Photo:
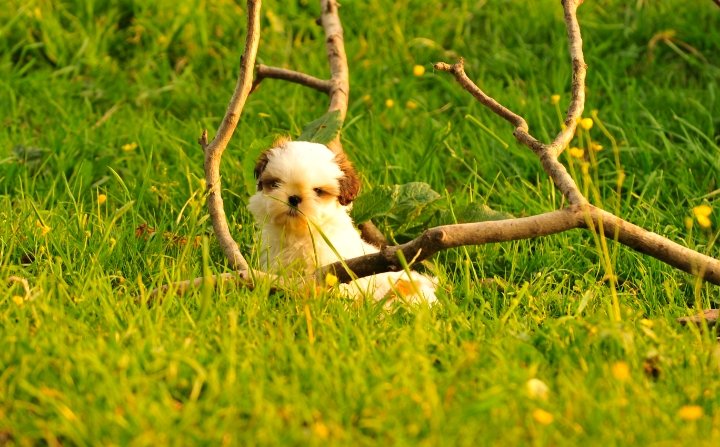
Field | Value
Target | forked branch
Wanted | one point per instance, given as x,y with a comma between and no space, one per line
578,214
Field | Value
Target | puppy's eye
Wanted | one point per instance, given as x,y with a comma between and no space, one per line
271,184
319,191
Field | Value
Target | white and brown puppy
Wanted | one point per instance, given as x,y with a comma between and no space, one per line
304,194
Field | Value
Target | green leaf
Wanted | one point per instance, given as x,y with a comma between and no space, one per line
411,198
401,202
474,212
376,202
324,129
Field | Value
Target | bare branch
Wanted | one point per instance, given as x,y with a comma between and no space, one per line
215,149
575,216
451,236
579,70
709,317
335,44
548,158
266,72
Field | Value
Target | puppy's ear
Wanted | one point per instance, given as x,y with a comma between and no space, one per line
262,161
349,183
261,164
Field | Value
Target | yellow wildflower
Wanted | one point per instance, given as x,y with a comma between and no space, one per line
596,147
585,167
690,412
537,389
418,70
102,198
576,152
411,105
44,229
542,417
366,98
621,371
18,300
688,223
702,214
321,430
389,103
555,99
586,123
330,280
129,147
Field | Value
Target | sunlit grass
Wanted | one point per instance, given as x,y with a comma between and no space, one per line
568,339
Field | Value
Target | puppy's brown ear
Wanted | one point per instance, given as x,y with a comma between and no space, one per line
349,182
260,165
262,161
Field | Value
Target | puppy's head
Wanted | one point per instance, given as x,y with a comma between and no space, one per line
299,181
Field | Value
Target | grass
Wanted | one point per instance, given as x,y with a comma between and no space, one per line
106,99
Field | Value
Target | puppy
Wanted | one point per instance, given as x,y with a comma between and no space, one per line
304,194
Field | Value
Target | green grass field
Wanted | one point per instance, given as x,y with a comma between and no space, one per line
101,104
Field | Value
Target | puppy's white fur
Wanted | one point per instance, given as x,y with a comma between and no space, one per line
302,203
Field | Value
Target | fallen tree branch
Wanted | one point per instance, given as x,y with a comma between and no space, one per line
478,233
579,213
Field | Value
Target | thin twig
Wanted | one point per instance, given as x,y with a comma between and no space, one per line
265,72
579,71
548,158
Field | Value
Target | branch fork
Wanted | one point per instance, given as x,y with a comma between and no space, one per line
579,213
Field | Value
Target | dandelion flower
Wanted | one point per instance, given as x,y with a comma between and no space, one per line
411,105
586,123
330,280
621,371
418,70
596,147
576,152
389,103
102,198
690,412
702,214
542,417
537,389
129,147
555,99
18,300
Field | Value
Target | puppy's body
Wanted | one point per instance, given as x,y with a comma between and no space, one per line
302,204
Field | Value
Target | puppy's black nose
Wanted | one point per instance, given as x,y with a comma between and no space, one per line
294,200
